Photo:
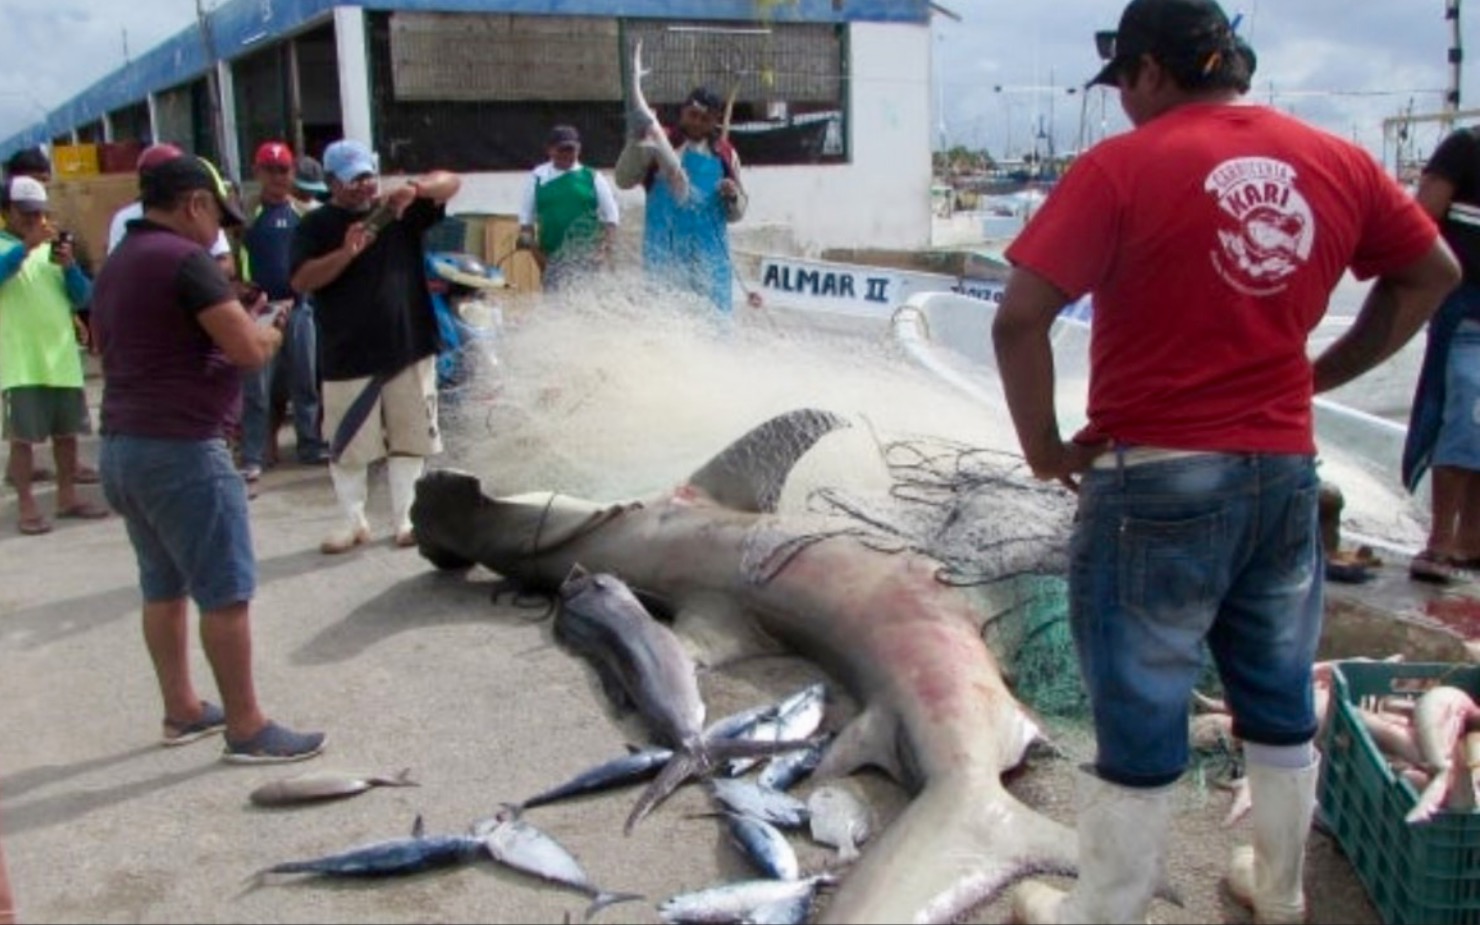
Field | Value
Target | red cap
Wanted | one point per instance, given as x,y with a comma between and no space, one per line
154,155
274,154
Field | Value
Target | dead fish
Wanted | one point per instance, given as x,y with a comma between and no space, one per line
668,163
323,785
521,846
1439,721
840,819
751,799
639,765
391,857
796,718
784,771
746,901
642,664
763,845
1211,732
935,711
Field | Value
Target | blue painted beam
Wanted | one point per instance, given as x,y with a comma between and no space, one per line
241,27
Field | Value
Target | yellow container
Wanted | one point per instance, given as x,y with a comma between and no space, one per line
69,161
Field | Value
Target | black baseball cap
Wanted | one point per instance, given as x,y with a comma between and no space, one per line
704,98
564,135
161,184
27,162
1161,28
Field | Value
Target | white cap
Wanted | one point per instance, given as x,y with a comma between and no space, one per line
26,194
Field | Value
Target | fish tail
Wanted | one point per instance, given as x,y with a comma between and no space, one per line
602,900
403,779
679,768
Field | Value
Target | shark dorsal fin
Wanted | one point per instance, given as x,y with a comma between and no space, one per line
750,473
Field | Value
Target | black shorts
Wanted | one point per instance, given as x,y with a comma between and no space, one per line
35,414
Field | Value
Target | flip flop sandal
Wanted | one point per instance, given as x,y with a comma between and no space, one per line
35,526
84,510
1432,568
87,476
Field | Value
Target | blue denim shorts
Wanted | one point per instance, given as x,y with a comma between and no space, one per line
1458,444
185,506
1167,556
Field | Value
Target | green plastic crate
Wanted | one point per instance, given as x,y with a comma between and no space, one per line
1424,873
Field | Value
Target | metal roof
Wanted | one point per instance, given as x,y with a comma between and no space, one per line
240,27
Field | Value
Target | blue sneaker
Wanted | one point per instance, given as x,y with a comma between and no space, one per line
212,720
274,745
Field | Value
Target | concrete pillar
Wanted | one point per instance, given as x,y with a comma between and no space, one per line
352,45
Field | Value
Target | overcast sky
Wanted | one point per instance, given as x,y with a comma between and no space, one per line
1344,64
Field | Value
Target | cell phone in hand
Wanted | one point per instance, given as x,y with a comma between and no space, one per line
379,217
273,312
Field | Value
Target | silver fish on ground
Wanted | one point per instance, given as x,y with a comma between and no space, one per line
763,846
785,771
639,765
316,786
751,799
935,709
745,901
392,857
654,136
837,817
796,718
521,846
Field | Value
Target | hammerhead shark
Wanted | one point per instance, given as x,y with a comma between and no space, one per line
935,712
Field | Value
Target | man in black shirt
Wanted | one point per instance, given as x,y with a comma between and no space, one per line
361,258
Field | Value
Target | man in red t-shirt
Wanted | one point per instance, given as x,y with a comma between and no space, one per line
1211,236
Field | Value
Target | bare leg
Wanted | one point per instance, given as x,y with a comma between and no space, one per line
167,636
1467,529
1448,491
64,451
226,635
20,469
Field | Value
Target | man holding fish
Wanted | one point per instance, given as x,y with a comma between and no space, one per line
692,177
1211,236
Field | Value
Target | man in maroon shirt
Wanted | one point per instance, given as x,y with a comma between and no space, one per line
174,340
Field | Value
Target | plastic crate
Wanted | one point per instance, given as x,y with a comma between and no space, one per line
1422,873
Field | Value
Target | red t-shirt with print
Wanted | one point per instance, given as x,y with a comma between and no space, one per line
1212,237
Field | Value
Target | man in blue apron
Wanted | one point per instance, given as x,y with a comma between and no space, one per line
686,241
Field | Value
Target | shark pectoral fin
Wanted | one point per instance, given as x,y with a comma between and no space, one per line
870,740
749,474
716,631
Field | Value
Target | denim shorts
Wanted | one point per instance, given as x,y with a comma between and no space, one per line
1166,556
1458,444
185,506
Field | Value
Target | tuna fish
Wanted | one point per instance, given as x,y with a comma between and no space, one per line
747,901
935,713
517,844
393,857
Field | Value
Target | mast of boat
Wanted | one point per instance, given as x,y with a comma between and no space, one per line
1456,62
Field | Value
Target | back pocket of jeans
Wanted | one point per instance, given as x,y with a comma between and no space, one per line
1169,564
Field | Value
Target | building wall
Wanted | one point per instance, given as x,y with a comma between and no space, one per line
881,198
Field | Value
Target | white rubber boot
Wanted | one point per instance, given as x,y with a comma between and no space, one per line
402,472
1122,847
351,487
1269,875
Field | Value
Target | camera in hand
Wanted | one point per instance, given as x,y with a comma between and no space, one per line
379,217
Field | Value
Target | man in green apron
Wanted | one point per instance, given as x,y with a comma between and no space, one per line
574,209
